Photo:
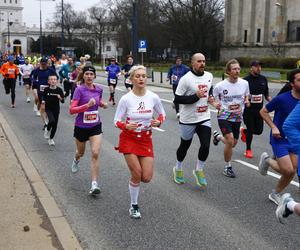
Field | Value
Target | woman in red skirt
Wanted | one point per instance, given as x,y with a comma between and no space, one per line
134,116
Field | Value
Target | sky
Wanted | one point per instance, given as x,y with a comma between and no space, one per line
31,11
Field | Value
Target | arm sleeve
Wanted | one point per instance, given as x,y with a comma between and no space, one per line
75,109
210,92
120,113
267,89
291,127
61,93
180,96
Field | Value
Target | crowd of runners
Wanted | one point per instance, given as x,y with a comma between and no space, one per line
236,100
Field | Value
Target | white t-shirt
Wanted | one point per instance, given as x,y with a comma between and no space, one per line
188,85
26,70
139,109
232,99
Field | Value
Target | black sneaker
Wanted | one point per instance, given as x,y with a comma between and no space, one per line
134,212
228,171
215,140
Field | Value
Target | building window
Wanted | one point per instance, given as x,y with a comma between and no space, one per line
108,48
298,34
4,1
10,1
16,1
258,36
108,39
245,36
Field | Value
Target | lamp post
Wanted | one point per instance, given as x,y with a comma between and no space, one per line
134,30
8,32
62,25
41,27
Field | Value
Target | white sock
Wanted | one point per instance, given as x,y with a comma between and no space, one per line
134,189
200,165
291,205
178,165
228,164
94,183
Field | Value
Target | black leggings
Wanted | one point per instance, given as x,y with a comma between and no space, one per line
67,87
254,124
10,87
52,122
175,104
204,134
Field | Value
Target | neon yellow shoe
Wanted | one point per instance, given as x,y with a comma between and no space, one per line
200,178
178,176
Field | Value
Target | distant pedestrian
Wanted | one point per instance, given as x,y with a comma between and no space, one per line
125,71
113,71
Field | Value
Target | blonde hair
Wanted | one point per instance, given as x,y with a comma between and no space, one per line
134,69
229,63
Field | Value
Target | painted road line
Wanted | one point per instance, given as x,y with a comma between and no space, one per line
269,173
158,129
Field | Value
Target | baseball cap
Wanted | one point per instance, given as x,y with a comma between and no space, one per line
255,63
10,58
43,60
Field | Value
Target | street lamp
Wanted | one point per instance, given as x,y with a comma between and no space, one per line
41,26
134,30
62,25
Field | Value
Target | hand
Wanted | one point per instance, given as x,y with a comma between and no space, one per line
155,123
104,105
218,106
91,102
131,126
276,133
247,104
59,97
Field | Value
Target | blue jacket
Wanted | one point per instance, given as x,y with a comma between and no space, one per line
176,72
66,71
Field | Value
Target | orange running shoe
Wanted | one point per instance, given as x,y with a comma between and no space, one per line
243,134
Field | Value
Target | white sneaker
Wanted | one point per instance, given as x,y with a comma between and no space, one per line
28,99
263,165
282,212
35,108
75,166
275,197
38,113
46,134
177,115
51,142
94,189
134,212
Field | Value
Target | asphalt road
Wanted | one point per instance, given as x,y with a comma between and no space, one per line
228,214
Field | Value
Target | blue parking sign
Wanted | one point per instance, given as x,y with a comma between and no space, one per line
142,44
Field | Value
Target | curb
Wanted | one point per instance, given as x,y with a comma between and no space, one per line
59,223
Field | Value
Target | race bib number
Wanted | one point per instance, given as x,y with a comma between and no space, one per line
234,107
69,75
113,81
90,116
256,98
11,71
42,87
127,81
174,78
202,109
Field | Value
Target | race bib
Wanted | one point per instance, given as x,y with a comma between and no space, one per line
42,87
90,116
174,78
127,81
69,75
11,71
234,107
256,98
113,81
201,109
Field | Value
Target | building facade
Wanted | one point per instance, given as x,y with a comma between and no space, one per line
16,37
261,28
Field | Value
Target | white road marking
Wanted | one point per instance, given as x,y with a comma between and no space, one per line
158,129
269,173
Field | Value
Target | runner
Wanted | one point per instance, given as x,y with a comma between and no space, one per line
10,72
258,87
40,82
88,127
137,108
21,61
125,69
194,92
25,71
113,71
286,157
65,73
232,94
177,71
51,97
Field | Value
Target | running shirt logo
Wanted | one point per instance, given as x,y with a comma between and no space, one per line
256,98
202,109
225,92
90,116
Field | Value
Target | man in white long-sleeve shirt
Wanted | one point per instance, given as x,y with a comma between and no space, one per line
25,71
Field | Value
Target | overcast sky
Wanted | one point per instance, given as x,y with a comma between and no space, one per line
31,11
